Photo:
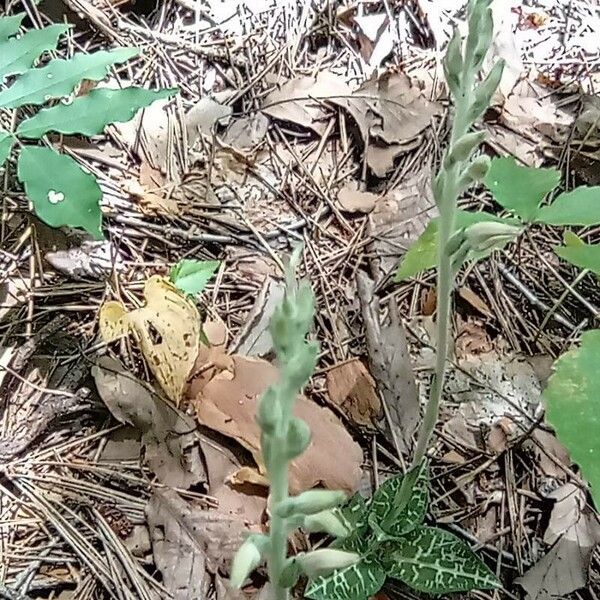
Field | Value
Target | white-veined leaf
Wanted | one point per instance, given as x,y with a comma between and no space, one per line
59,77
17,55
62,193
10,25
90,114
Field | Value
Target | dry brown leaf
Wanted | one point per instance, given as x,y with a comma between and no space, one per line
551,455
472,339
167,329
151,202
171,447
203,116
353,200
475,301
428,301
228,404
247,132
352,389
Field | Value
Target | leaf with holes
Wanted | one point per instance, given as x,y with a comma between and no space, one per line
384,505
434,561
518,189
422,255
18,54
10,25
90,114
62,193
358,582
581,206
190,276
572,400
59,77
6,144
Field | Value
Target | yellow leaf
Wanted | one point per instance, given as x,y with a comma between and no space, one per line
167,330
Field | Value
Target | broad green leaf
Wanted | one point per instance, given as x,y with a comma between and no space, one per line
90,114
520,189
572,400
6,144
586,256
62,193
191,276
434,561
578,207
422,255
358,582
409,516
59,77
9,26
18,54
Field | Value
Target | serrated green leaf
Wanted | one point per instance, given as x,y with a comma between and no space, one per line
10,25
578,207
422,255
90,114
6,144
59,77
191,276
434,561
586,256
18,55
358,582
572,400
62,193
406,518
518,189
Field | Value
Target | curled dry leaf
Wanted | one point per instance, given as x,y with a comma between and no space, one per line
167,329
171,448
228,404
352,389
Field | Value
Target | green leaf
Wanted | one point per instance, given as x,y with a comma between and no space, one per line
59,77
578,207
61,191
572,400
6,143
358,582
434,561
10,25
408,517
191,276
354,515
17,55
520,189
90,114
422,254
586,256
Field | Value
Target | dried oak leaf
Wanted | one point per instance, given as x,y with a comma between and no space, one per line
352,389
228,404
167,330
353,200
171,448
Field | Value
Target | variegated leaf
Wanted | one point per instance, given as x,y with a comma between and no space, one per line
436,562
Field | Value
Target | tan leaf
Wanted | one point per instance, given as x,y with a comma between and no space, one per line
475,301
167,329
149,201
352,389
351,199
228,404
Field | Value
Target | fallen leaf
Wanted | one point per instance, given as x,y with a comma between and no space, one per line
471,339
475,301
247,132
151,202
203,116
92,259
167,329
353,200
428,301
500,435
375,39
228,404
550,454
171,448
352,389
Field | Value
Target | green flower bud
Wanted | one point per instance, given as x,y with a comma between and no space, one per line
475,172
438,187
482,237
298,438
463,148
453,63
328,522
485,32
322,562
247,558
269,411
485,91
298,371
310,502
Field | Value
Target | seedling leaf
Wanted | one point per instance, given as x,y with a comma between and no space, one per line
190,276
518,189
59,77
6,144
580,206
572,401
434,561
357,582
10,25
62,193
18,54
585,256
90,114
